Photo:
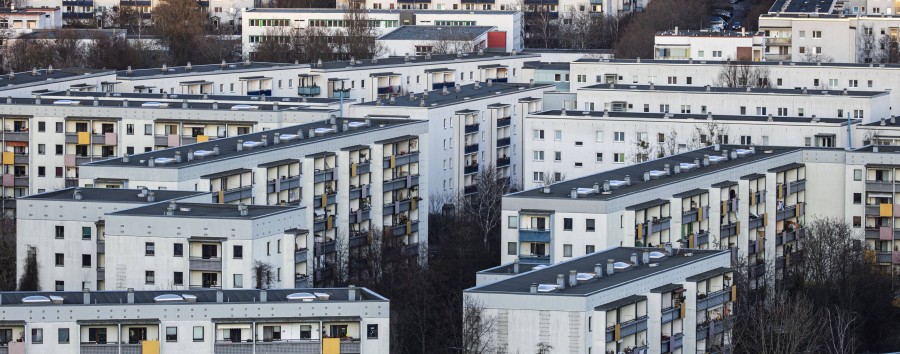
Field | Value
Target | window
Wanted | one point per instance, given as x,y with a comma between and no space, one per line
853,83
60,285
129,129
539,134
62,335
178,250
238,281
59,259
673,80
717,53
857,198
511,248
42,126
372,331
60,232
557,135
743,110
59,149
589,225
59,127
148,129
619,137
765,140
512,222
599,136
599,157
42,171
782,111
663,108
760,111
198,333
840,113
619,157
538,177
802,34
42,149
179,278
149,277
238,252
690,80
278,274
85,232
59,172
870,83
857,174
539,155
685,108
86,260
171,334
37,335
567,224
746,140
567,250
149,249
858,113
578,164
832,83
589,249
857,221
557,156
700,54
807,141
817,34
278,246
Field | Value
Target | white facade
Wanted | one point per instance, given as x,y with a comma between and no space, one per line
345,320
456,39
607,7
470,128
827,37
710,46
23,20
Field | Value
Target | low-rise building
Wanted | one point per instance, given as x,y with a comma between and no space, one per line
621,299
26,19
707,45
421,40
334,320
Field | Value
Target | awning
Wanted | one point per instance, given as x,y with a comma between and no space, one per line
880,196
251,78
17,143
198,82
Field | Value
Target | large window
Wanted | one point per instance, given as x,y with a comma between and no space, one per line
37,335
149,249
171,334
62,335
86,233
97,335
198,333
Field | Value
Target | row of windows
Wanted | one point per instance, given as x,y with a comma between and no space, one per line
512,249
60,232
538,134
590,225
270,23
99,335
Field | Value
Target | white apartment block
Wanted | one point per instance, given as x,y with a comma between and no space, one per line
354,178
471,127
595,7
816,77
262,24
421,40
54,80
23,20
710,46
335,320
559,145
864,105
622,299
225,12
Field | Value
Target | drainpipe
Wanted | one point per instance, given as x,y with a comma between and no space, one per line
119,339
253,336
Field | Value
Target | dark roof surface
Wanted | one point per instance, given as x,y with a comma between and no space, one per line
803,6
43,75
636,172
381,11
79,33
203,296
431,33
390,63
466,92
115,195
546,66
732,90
522,283
705,33
719,63
211,98
206,210
620,302
208,68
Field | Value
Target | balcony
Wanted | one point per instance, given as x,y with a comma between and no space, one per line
345,94
405,228
534,259
758,222
470,189
503,161
104,348
790,236
309,91
359,240
758,270
402,182
283,346
714,299
400,160
410,250
504,122
879,186
260,93
671,314
101,246
87,3
441,85
477,1
758,197
20,181
301,281
101,273
233,194
751,247
81,16
503,79
789,212
323,176
471,149
399,206
627,328
534,235
134,3
797,186
386,90
503,142
884,257
323,224
323,248
203,3
702,239
71,182
779,262
694,214
472,128
211,264
672,344
359,216
656,225
778,41
329,200
470,169
301,255
281,184
10,135
873,210
365,167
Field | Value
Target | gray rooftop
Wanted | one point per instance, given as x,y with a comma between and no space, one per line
136,102
390,63
202,69
210,98
636,172
732,90
203,296
206,210
110,195
537,65
721,63
434,33
466,93
42,75
228,146
803,6
585,264
79,33
693,117
706,33
382,11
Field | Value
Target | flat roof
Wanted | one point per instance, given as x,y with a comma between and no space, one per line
43,75
228,146
691,117
78,33
803,6
720,63
881,148
431,33
145,297
206,210
390,63
192,97
113,195
383,11
521,284
706,33
636,172
538,65
466,93
203,69
731,90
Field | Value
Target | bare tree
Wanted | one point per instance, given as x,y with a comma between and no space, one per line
866,45
783,325
451,41
706,134
841,326
181,27
359,34
809,56
7,254
552,176
484,207
739,74
478,328
263,274
30,280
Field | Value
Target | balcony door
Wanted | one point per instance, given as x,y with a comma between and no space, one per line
209,251
137,334
234,334
210,280
538,249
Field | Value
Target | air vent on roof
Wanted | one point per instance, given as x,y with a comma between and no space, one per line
306,297
163,160
356,125
546,288
744,152
203,153
715,159
586,191
688,166
323,131
251,144
155,105
66,102
244,107
655,256
620,266
175,298
288,137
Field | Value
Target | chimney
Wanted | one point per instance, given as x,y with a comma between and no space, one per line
151,196
668,249
216,150
534,288
646,258
574,193
151,162
351,292
243,209
634,259
96,102
516,266
312,132
264,140
125,103
893,119
76,194
125,158
598,268
240,145
130,295
346,127
610,268
627,180
178,157
215,105
573,278
263,297
220,296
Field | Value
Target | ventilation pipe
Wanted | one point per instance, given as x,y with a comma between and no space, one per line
130,295
516,266
598,268
240,145
534,287
351,292
646,257
573,278
610,268
561,281
635,260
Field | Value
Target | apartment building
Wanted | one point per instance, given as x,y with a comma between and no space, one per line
23,20
338,170
263,24
67,232
596,7
621,299
559,145
327,320
706,45
472,127
224,12
47,136
867,106
24,84
421,40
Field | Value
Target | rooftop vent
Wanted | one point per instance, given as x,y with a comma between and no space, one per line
243,209
688,166
656,256
251,144
155,105
323,131
620,266
244,107
175,298
356,125
163,160
66,102
743,152
203,153
585,277
546,288
715,159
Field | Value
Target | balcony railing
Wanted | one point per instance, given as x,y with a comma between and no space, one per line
323,176
778,41
408,181
797,186
627,328
212,264
398,207
470,169
280,346
751,247
657,225
702,238
714,299
15,135
340,94
534,235
441,85
693,214
134,3
758,270
301,255
233,194
281,184
329,200
359,240
405,228
358,216
326,247
309,91
101,246
879,186
671,314
364,167
471,149
713,327
101,273
672,344
472,128
400,160
410,250
504,122
778,57
71,182
884,257
758,222
728,230
789,212
503,142
260,93
87,3
78,15
20,181
503,161
384,90
534,259
470,189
